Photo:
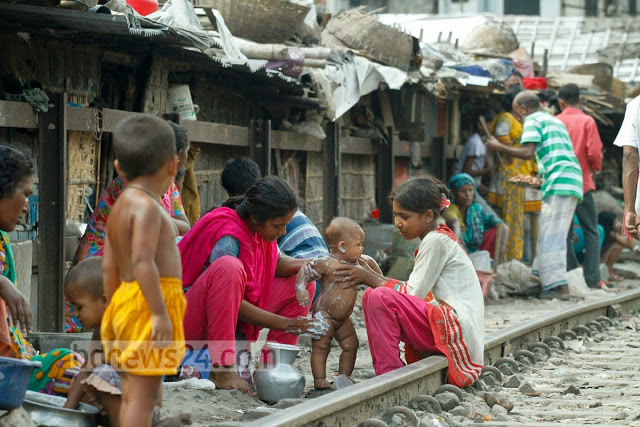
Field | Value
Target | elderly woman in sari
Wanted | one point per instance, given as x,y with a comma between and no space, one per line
476,227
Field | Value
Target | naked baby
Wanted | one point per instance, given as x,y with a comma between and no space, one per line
344,238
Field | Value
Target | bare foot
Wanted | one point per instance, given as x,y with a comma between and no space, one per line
321,384
184,419
229,379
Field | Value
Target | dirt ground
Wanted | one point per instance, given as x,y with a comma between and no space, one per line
209,406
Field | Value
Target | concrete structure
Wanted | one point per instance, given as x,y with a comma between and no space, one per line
542,8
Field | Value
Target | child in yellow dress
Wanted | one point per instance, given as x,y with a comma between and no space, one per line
141,329
98,383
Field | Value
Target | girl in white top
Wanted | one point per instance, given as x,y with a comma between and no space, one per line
440,309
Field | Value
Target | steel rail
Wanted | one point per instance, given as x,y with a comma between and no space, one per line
371,397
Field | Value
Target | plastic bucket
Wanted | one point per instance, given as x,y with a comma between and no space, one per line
14,379
181,102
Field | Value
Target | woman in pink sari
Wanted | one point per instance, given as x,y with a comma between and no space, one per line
229,260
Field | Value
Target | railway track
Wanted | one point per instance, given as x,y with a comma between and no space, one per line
349,406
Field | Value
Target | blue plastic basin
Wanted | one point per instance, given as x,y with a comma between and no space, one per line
14,379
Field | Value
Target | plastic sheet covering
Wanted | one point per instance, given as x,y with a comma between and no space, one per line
500,69
349,77
226,39
180,17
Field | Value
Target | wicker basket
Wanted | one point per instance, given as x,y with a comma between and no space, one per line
603,73
263,21
492,37
363,31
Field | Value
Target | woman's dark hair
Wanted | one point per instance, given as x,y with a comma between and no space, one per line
509,96
16,167
420,194
270,197
550,97
182,137
606,220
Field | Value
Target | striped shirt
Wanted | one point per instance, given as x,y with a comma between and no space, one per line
557,163
303,240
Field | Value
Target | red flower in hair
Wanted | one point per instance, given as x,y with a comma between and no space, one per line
444,202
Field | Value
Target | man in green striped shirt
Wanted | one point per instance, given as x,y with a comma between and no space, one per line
547,138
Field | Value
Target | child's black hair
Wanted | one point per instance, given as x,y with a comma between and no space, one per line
15,167
182,137
269,198
86,276
143,144
420,194
238,175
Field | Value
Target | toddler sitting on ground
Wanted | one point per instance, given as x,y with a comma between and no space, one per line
344,238
98,383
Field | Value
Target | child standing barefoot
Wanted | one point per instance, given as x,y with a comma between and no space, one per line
344,238
141,329
98,383
440,309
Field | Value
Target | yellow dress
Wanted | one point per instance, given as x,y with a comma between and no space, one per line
510,198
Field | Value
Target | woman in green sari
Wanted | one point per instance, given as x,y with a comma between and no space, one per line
477,228
60,365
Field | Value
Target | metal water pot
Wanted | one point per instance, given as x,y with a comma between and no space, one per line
279,379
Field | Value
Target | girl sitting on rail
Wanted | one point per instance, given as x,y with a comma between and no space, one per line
440,309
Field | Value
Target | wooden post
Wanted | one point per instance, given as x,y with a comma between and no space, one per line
384,176
438,158
331,174
260,144
52,192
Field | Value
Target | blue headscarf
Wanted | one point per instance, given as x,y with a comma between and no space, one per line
460,180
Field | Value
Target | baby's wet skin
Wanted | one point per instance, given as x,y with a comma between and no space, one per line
336,301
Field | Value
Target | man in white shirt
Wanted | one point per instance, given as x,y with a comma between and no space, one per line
628,139
473,158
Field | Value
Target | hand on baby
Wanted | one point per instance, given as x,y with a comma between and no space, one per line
303,297
353,275
161,329
305,274
315,328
